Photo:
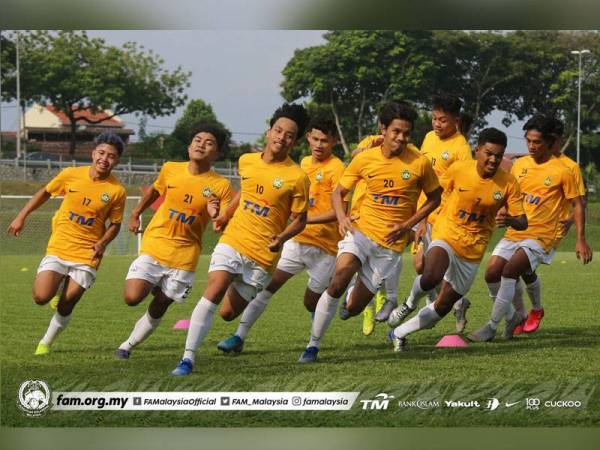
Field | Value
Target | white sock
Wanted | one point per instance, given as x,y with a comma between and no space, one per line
200,323
503,302
493,289
518,300
324,313
458,304
57,324
425,318
391,283
534,291
143,328
252,312
416,293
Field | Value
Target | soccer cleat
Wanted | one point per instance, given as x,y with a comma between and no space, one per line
398,315
184,368
42,349
485,334
398,343
533,320
232,344
461,315
511,324
343,312
519,328
385,311
368,320
54,302
122,353
379,300
309,355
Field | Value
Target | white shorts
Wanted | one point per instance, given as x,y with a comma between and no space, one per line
320,265
377,262
82,274
534,250
460,273
176,284
250,278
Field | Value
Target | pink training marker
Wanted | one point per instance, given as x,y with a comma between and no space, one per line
452,340
182,325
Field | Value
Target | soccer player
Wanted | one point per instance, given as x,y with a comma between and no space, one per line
443,146
474,193
395,176
273,190
313,249
193,194
532,281
80,235
545,183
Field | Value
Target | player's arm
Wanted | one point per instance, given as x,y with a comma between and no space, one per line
340,209
111,232
326,217
149,197
503,220
434,199
296,226
38,199
220,222
582,249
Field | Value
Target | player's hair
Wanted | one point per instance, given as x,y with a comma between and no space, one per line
448,103
216,131
296,113
493,136
324,124
397,110
544,125
110,139
559,127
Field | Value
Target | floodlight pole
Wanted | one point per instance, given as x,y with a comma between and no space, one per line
579,53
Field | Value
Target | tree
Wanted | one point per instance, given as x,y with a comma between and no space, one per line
198,111
75,74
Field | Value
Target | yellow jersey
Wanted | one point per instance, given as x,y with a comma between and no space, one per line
544,188
468,218
576,171
80,222
269,194
442,153
324,177
393,187
174,235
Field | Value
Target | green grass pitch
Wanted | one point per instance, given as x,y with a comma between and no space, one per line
559,362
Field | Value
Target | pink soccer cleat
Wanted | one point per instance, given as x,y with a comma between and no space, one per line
533,320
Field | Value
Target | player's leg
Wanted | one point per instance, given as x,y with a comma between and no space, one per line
534,292
347,264
436,264
136,290
48,280
390,285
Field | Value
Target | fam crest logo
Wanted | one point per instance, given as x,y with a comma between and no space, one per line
34,397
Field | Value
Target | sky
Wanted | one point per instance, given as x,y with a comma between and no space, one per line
237,71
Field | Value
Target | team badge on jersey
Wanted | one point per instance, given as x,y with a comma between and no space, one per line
445,155
497,195
405,175
319,176
105,197
277,183
548,181
206,192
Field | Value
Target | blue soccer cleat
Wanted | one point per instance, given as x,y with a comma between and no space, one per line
233,343
309,355
184,368
122,354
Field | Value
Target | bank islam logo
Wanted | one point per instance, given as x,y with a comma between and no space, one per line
34,397
381,401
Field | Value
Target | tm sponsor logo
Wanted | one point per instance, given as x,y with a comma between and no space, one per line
381,401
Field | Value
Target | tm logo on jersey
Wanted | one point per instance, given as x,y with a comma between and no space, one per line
257,209
181,216
81,220
468,216
531,199
386,199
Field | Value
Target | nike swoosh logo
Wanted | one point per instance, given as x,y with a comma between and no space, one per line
171,187
508,405
370,176
462,190
245,178
72,190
